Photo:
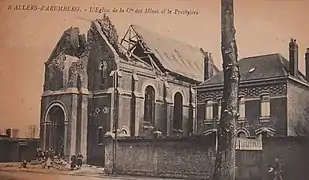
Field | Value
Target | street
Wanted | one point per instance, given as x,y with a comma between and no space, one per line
21,175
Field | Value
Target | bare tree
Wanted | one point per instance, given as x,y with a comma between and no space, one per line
225,158
32,131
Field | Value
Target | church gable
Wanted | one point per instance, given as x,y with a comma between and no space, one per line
105,53
69,50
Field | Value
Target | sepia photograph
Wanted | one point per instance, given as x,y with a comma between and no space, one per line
154,89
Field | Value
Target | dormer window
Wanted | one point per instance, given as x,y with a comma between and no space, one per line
251,70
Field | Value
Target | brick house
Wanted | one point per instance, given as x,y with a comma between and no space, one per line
140,84
274,97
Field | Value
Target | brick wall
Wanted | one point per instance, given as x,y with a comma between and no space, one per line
194,158
278,103
99,118
100,50
298,109
185,158
17,150
292,152
163,106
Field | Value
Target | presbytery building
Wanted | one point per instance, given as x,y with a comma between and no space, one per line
273,97
138,85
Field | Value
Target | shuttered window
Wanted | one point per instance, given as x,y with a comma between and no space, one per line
265,106
209,111
242,108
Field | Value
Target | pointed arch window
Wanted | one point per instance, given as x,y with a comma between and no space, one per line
149,106
178,111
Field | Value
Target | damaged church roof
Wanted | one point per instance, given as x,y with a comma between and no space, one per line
258,68
175,56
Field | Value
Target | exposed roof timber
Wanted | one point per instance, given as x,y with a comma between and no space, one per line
124,36
138,59
131,38
138,41
136,34
154,64
130,41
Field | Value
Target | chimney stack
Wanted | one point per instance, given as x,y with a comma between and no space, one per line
307,64
206,66
208,70
293,53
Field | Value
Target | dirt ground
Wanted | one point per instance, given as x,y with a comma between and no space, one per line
6,175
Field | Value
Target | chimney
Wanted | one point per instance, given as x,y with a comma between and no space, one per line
208,70
307,64
8,132
293,53
206,66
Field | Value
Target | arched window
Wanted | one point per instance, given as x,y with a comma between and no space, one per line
178,112
242,134
149,106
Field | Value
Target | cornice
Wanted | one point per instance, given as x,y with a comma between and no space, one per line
242,84
298,81
83,91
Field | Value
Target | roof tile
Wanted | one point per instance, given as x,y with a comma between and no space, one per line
258,67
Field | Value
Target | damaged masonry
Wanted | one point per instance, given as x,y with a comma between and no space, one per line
141,85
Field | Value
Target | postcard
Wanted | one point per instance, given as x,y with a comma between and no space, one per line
177,89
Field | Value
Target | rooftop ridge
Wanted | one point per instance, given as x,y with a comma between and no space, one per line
164,36
266,65
261,55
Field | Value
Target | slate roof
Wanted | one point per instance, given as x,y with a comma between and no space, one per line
257,68
175,56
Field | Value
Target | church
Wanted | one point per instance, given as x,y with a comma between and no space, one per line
137,86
